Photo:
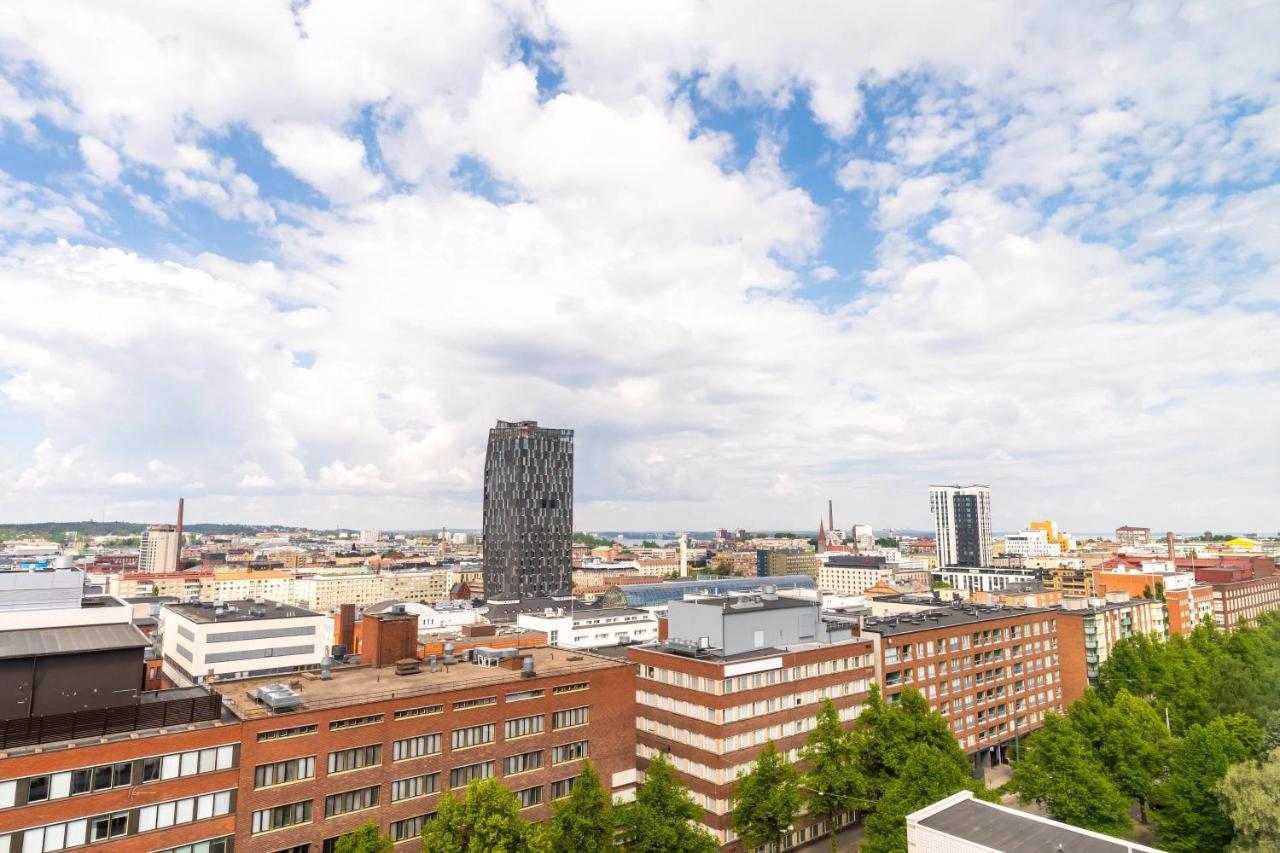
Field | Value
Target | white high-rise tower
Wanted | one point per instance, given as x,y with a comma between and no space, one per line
962,522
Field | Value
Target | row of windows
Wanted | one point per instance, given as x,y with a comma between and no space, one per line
91,830
279,817
351,801
356,758
751,710
351,723
473,736
86,780
415,747
782,675
283,772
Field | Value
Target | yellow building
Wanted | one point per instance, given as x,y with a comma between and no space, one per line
1051,533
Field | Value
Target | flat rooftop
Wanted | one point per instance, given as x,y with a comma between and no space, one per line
943,617
362,684
1010,831
238,611
70,639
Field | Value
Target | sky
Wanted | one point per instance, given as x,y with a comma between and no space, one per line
292,260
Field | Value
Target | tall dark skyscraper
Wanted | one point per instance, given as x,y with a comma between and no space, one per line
528,512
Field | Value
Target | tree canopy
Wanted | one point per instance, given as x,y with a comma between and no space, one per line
584,822
661,820
766,800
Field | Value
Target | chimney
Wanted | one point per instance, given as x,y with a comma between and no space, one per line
177,557
347,626
1168,537
388,638
831,515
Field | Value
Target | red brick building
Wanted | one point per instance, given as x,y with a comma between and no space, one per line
733,673
154,777
371,743
1240,593
991,671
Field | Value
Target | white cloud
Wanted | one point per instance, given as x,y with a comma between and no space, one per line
101,159
614,267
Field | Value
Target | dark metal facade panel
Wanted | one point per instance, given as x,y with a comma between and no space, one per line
528,512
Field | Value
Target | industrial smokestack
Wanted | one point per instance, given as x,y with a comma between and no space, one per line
1168,538
177,557
831,516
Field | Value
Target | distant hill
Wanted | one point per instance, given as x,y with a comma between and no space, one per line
54,529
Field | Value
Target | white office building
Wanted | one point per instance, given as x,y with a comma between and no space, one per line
1030,543
239,639
591,629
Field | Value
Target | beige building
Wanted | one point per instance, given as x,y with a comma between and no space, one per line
240,585
158,552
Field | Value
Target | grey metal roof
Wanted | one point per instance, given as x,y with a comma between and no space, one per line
70,639
1010,832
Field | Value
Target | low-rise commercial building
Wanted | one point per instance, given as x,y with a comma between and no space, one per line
593,628
983,578
733,673
992,672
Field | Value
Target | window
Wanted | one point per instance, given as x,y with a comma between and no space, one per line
415,747
522,695
415,786
295,731
37,789
281,816
283,772
216,845
529,797
570,688
569,717
354,759
355,721
561,789
569,752
108,826
175,812
351,801
474,703
403,830
523,727
521,763
460,776
472,736
408,713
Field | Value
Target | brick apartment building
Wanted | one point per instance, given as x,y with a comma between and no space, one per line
1186,601
734,672
373,743
1089,628
991,671
1241,593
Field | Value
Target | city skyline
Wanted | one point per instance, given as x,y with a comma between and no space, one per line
754,261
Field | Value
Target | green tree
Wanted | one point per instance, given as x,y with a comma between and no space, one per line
1249,791
662,819
648,543
487,820
1060,770
926,777
766,799
584,821
836,783
1134,748
366,839
1189,813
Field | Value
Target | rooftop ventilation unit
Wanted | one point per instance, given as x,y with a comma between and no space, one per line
408,666
278,697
